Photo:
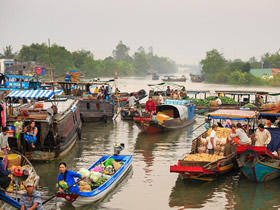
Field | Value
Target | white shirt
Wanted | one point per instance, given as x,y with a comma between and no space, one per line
161,99
240,133
219,101
3,140
131,100
214,136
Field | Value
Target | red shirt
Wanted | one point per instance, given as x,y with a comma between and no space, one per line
150,106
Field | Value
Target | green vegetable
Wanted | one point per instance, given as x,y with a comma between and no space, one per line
249,106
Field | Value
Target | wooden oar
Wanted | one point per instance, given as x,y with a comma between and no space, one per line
64,190
120,110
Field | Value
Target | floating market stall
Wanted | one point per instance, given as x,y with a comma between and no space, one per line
199,165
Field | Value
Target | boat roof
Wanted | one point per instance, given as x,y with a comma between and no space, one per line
232,114
182,110
18,76
197,91
241,92
34,94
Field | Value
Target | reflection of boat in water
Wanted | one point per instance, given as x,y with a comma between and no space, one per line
186,194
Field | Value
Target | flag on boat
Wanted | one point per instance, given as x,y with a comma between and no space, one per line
34,94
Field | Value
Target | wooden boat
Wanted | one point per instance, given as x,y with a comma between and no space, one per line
258,164
18,82
174,79
196,78
140,94
8,198
203,170
58,123
84,198
179,116
201,109
128,113
155,76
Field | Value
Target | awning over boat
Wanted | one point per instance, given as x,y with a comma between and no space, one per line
232,114
180,111
34,94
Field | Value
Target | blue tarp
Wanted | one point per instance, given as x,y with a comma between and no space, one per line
232,118
274,145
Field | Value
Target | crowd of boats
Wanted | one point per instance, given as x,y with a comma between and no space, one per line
58,110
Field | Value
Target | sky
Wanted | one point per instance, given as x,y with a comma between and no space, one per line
183,30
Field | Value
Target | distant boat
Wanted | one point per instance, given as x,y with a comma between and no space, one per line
155,76
197,77
174,79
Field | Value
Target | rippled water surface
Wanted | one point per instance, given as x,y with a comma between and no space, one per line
149,184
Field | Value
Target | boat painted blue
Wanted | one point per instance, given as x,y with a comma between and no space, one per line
84,198
262,172
10,201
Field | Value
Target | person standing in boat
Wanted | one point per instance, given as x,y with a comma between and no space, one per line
150,106
160,98
66,178
4,144
212,140
131,100
31,133
168,91
219,101
31,199
262,136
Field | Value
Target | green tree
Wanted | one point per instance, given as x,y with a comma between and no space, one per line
141,63
8,53
213,63
81,57
121,51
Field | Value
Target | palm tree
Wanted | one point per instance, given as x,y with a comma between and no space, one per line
8,53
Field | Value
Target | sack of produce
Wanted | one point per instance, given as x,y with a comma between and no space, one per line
116,165
94,176
203,157
203,142
202,149
218,142
217,148
223,141
84,186
109,162
97,169
84,172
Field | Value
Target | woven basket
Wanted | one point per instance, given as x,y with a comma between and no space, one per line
14,159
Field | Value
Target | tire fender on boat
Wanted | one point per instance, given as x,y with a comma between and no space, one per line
249,158
79,133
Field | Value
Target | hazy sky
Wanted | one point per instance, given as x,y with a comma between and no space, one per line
180,29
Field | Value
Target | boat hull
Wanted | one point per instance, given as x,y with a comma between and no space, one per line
262,172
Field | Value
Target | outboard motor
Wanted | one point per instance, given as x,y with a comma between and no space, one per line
118,147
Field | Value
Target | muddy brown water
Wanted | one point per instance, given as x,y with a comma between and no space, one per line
149,184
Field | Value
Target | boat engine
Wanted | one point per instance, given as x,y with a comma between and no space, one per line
118,147
19,175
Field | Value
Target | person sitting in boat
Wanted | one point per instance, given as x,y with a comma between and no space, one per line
228,123
268,124
131,100
96,90
183,93
212,140
150,106
106,93
31,133
101,95
175,95
160,98
168,91
4,179
4,144
66,179
262,136
261,100
219,101
238,135
31,199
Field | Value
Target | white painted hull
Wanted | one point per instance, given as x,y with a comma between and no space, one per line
80,201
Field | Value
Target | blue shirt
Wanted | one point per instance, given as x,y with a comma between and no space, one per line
70,180
3,172
35,198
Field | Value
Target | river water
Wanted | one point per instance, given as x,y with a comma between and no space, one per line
150,185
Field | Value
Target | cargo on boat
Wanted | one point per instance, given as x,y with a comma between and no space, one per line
57,120
168,117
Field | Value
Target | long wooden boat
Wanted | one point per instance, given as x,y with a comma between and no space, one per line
174,79
8,198
203,170
58,123
196,78
179,116
84,198
258,164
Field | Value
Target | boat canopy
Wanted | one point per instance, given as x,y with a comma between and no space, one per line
34,94
232,114
178,110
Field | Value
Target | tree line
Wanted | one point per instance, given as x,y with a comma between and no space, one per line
217,69
62,60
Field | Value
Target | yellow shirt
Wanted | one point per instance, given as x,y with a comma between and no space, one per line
262,138
95,90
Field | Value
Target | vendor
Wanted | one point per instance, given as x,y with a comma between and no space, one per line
4,179
31,199
219,101
262,136
150,106
67,177
4,144
131,100
238,135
